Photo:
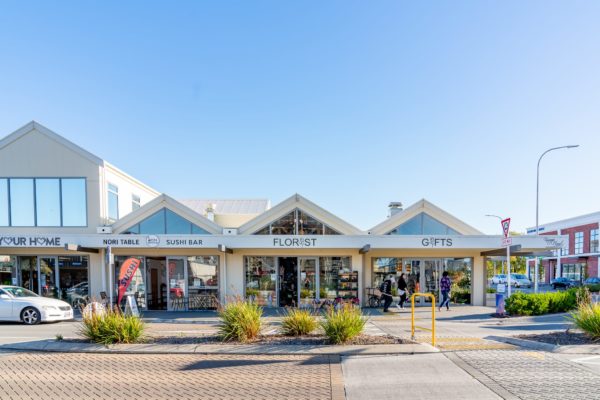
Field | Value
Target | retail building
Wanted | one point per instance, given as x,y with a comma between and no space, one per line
69,220
577,258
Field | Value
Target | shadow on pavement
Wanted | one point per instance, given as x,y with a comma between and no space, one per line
244,362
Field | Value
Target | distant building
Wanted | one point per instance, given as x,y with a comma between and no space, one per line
578,258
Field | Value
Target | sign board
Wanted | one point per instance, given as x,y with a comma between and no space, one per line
501,288
505,226
131,307
506,242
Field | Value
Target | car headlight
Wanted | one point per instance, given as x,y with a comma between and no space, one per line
49,308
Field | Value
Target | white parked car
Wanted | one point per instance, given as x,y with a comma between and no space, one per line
20,304
500,278
520,280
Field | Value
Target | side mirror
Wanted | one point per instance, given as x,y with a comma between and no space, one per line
4,297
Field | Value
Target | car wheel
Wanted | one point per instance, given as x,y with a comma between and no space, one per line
30,316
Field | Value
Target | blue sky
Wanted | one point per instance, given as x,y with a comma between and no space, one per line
352,104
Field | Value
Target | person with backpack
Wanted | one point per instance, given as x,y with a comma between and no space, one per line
386,292
445,284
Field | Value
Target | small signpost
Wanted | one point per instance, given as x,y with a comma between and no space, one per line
131,307
506,242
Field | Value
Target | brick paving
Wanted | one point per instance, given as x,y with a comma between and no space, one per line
65,376
529,375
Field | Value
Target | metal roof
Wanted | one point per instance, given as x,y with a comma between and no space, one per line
229,206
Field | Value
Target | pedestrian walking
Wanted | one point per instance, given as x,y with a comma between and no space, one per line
402,291
445,289
386,292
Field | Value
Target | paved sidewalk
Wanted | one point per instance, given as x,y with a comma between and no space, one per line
33,376
422,376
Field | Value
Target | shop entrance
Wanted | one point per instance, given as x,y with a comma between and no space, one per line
288,281
298,281
157,283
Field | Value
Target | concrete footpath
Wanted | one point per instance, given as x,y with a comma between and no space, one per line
418,376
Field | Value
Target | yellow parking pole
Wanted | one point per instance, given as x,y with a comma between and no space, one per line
412,318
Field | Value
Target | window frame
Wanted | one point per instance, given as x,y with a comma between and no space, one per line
578,243
136,201
109,192
34,180
594,237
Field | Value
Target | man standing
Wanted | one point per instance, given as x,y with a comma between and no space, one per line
386,292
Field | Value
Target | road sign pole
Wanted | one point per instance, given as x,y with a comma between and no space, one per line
507,242
508,269
535,276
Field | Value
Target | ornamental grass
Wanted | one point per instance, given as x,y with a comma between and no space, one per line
297,322
240,320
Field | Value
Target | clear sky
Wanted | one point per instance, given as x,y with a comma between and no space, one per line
351,104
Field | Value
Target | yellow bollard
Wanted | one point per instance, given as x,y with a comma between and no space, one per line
412,318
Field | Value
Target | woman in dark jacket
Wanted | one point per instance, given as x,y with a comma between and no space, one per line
402,291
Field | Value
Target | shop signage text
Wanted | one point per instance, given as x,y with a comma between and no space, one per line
436,242
294,242
30,241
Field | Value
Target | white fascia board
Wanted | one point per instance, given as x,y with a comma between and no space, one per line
568,223
436,244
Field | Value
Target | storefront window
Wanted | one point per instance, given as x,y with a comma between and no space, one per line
460,272
203,282
3,202
73,275
383,266
577,271
261,280
137,287
8,270
48,277
330,268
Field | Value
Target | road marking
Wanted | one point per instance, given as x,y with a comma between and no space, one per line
586,360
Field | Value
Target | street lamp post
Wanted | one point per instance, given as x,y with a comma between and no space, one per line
537,205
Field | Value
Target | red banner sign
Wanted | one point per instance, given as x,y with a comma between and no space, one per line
126,273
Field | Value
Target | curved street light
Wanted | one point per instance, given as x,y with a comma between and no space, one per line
537,204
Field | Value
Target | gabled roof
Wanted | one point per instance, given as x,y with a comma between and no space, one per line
228,206
302,203
423,206
19,133
164,201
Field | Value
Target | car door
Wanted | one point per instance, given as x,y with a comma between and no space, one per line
6,305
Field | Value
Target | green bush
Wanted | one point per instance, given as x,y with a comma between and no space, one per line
239,320
541,303
343,324
587,318
298,322
460,296
490,290
112,327
594,288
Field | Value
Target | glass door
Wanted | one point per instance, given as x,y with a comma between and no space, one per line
28,273
48,278
176,275
432,270
288,281
308,281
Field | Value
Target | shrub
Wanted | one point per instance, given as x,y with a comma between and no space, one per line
541,303
587,318
490,290
584,297
112,327
298,322
594,288
343,324
460,296
240,320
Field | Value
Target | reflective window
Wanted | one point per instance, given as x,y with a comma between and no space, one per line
329,270
565,249
73,276
3,202
113,202
22,212
578,242
74,199
47,196
423,224
8,270
203,282
261,280
594,241
177,224
135,202
297,222
384,266
166,221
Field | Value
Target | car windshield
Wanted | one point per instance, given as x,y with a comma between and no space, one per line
19,291
520,276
